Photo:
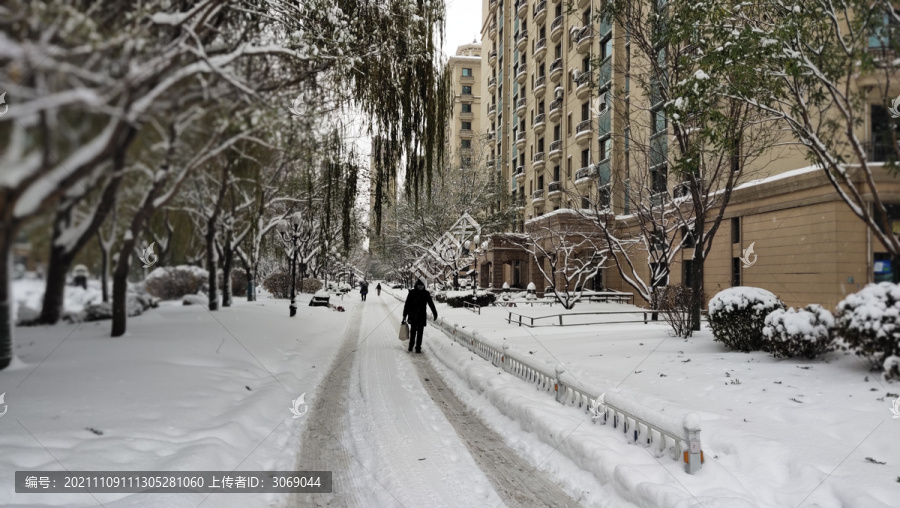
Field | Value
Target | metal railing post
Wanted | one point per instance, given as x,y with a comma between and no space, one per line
693,456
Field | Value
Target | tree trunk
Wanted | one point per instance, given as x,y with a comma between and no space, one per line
104,268
697,287
120,289
895,269
55,288
212,266
226,275
6,322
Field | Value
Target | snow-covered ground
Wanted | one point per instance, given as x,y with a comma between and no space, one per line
775,432
187,389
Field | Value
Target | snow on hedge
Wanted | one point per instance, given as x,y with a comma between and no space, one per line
742,297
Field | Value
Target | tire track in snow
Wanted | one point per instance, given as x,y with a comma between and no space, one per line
514,479
322,449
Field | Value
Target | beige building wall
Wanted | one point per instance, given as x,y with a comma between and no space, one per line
810,248
465,127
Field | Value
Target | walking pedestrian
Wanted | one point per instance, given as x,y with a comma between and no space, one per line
415,313
364,290
378,289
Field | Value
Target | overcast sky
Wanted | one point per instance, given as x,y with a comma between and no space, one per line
463,24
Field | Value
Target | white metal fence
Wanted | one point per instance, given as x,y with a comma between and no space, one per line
679,438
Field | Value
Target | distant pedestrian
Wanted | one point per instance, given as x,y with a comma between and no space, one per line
415,313
378,289
364,290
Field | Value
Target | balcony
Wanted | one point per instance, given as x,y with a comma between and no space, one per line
490,163
556,29
555,110
466,133
522,41
520,106
540,12
538,162
540,86
583,85
583,39
522,9
584,132
584,177
466,115
522,74
540,50
493,6
492,112
555,150
583,3
492,57
539,123
492,85
556,70
537,197
493,31
520,140
554,191
520,174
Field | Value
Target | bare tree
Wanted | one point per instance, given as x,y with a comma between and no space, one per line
567,254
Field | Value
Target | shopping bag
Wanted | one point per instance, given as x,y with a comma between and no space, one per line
404,331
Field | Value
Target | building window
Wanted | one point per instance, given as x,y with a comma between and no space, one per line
687,237
569,125
586,111
585,157
687,275
557,132
659,274
605,148
466,107
555,173
735,230
467,90
541,182
585,202
569,168
467,73
657,120
467,125
466,143
735,272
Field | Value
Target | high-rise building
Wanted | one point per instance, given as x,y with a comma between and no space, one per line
561,104
465,127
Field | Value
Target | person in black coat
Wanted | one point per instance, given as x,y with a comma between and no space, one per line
415,313
378,289
364,290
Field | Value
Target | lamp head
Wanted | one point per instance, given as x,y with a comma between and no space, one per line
296,219
281,226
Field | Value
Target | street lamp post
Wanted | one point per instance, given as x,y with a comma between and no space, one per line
474,247
291,232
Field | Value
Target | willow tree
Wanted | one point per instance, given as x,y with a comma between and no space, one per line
387,57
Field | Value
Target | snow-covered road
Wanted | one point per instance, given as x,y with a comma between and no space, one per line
394,435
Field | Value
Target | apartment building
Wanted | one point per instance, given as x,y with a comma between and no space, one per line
465,126
558,84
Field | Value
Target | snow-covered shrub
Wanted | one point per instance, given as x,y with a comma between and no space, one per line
440,296
805,332
198,299
482,299
869,322
675,304
171,283
311,285
239,282
135,305
737,316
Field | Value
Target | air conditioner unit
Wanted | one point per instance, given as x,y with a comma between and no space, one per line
559,92
575,73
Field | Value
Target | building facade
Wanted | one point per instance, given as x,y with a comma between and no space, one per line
562,137
465,126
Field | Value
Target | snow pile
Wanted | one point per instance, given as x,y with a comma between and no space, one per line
28,298
737,316
804,332
869,321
